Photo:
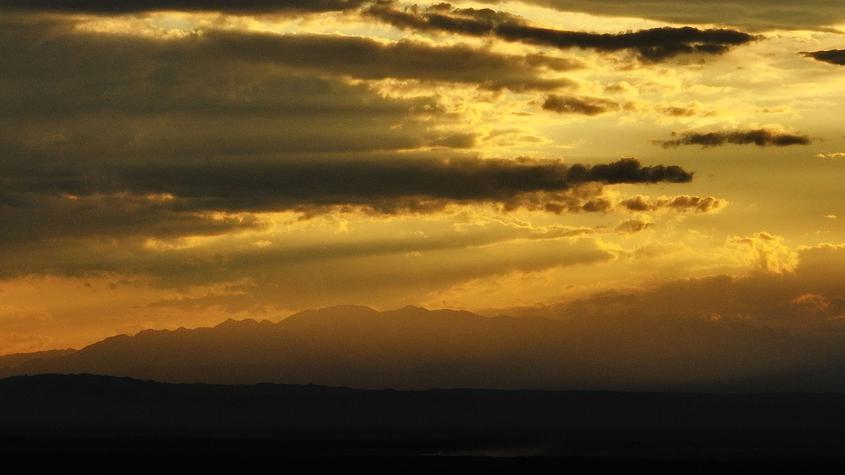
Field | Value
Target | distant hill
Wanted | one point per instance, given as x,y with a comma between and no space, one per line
62,407
415,348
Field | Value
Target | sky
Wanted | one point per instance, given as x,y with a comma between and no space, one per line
175,163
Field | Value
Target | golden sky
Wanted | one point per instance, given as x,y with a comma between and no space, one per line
177,163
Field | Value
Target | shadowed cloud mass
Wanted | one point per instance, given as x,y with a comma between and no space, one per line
106,7
758,137
125,135
80,59
384,185
832,56
369,59
701,204
578,105
655,44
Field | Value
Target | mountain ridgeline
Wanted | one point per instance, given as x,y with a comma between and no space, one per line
415,348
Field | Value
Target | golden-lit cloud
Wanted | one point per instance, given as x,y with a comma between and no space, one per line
755,14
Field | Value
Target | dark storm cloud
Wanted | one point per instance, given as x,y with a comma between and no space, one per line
380,185
578,105
832,56
109,7
758,137
654,44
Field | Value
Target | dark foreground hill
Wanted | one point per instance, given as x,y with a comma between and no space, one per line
73,414
87,405
414,348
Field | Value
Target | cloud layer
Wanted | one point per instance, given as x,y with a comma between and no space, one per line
106,7
755,14
655,44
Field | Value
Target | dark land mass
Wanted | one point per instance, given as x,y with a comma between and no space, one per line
130,425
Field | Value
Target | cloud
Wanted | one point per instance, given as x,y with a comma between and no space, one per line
758,137
298,271
48,217
107,7
207,198
769,253
578,105
686,110
804,293
143,75
369,59
823,265
682,203
655,44
379,185
102,97
832,56
635,225
676,111
758,15
111,141
832,155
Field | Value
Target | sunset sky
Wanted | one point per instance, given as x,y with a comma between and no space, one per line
176,163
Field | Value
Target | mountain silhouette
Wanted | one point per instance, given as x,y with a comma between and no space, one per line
415,348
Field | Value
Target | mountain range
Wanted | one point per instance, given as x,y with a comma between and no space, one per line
415,348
